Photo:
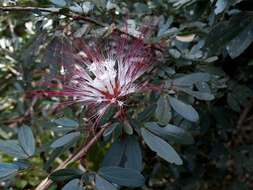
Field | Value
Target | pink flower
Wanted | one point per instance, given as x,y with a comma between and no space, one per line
104,76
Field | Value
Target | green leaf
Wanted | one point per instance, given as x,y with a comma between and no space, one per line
220,6
203,87
66,122
163,110
110,130
102,184
22,164
180,3
227,34
26,140
164,26
185,110
74,184
57,152
141,8
12,148
60,3
66,174
199,95
100,3
162,148
111,5
147,113
66,139
133,154
175,53
7,170
125,151
122,176
171,133
115,154
85,7
191,79
128,128
241,42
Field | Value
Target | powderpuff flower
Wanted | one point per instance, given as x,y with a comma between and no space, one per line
102,76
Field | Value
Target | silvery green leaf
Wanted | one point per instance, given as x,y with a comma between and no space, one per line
110,5
164,26
100,3
122,176
102,184
211,59
110,130
26,140
74,184
141,8
175,53
189,80
133,153
171,133
66,122
183,109
86,7
12,148
7,170
60,3
180,3
220,6
115,154
161,147
66,139
22,164
203,87
230,35
199,95
163,110
241,42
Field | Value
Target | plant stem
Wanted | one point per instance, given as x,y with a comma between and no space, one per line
47,182
53,10
73,15
69,13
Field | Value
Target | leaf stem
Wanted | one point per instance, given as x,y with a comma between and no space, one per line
47,182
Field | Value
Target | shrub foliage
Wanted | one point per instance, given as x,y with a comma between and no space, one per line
188,128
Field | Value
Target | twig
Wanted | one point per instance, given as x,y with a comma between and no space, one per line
69,13
73,15
47,182
17,8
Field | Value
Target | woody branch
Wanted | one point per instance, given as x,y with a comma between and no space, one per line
70,14
47,182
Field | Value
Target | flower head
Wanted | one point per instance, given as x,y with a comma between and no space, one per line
104,76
